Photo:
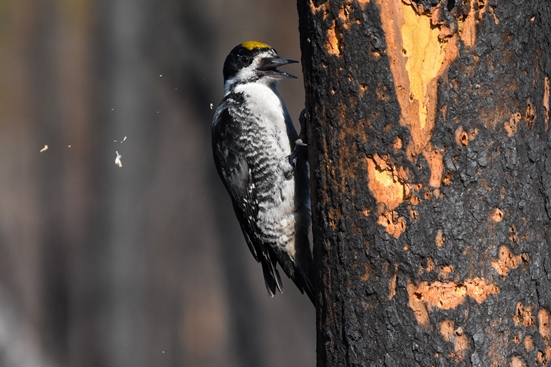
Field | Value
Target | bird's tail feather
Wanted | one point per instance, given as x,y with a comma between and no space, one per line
304,284
271,276
304,264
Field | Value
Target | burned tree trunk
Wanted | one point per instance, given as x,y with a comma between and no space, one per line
430,158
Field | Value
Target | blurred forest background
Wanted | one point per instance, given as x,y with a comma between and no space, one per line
144,264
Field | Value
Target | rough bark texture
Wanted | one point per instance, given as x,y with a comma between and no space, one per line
431,170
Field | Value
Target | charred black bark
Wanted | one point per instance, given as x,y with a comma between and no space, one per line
430,157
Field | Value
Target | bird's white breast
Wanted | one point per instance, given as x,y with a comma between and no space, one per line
277,215
263,102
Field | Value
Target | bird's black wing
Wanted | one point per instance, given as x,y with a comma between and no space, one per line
234,170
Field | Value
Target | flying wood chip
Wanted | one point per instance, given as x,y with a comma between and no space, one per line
118,159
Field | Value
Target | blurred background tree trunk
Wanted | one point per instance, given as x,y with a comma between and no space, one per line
430,154
144,264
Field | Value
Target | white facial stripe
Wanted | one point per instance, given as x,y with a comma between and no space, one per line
263,55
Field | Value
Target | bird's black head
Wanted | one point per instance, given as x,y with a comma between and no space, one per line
252,61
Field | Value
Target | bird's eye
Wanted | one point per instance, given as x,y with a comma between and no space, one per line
244,59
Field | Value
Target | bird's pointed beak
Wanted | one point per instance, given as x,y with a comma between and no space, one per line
269,67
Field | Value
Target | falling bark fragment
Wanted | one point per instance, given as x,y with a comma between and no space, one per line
122,141
44,149
118,159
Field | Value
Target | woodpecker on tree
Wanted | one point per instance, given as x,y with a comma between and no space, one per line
263,164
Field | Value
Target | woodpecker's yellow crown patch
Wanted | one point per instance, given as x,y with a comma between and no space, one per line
251,45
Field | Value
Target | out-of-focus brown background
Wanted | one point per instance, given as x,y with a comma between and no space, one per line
142,265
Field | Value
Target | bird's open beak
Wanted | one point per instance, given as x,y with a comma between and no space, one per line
269,67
